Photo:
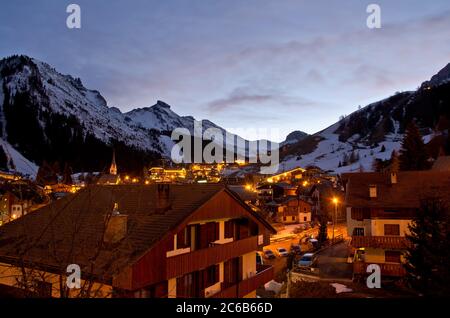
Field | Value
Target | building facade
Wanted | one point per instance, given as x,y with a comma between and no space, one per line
174,241
380,208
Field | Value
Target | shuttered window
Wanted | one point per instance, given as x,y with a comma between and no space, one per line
229,229
392,257
391,229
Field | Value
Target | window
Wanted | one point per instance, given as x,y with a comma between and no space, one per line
392,256
212,275
360,214
284,219
229,229
185,286
392,229
305,219
358,231
183,238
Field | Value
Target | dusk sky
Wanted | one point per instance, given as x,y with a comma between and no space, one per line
287,65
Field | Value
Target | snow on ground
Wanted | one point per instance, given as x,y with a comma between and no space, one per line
21,164
330,151
273,286
341,288
288,229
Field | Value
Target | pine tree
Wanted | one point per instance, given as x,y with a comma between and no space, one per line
67,175
3,159
395,164
413,155
427,258
383,148
323,232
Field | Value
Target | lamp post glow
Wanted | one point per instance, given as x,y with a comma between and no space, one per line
335,201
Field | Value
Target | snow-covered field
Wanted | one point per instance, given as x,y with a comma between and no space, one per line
20,163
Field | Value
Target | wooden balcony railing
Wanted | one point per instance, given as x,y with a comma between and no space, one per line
265,274
387,269
185,263
387,242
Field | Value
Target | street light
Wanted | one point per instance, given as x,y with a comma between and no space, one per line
335,201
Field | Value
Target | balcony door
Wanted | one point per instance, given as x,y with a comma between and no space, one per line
232,271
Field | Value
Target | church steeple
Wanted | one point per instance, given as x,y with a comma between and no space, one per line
113,168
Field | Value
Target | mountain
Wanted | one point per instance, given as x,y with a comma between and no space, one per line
294,137
48,116
376,130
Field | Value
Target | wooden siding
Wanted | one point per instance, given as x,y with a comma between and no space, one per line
185,263
387,269
380,242
151,268
265,274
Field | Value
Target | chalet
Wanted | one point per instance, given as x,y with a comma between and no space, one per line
17,198
139,241
274,191
294,210
380,206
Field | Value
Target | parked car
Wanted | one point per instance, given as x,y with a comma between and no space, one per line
259,258
269,254
296,249
307,260
281,251
314,243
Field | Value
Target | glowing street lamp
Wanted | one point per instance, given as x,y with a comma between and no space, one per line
335,201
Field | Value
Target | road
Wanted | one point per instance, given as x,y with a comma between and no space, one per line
330,263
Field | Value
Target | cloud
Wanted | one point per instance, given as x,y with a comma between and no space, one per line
247,96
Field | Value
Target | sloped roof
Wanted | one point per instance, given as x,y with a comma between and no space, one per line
411,187
71,229
442,164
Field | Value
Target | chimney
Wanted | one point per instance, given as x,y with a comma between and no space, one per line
116,227
393,177
163,198
372,191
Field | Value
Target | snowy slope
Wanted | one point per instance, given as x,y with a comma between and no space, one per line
379,125
50,92
17,162
330,152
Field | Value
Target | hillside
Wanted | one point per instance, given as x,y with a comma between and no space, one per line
376,130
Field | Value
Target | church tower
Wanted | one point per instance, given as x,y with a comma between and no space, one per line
113,168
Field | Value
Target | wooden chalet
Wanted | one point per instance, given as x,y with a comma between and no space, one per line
380,206
155,240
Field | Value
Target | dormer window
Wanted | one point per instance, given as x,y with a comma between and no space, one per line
372,191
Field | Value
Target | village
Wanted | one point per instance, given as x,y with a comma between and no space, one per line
212,230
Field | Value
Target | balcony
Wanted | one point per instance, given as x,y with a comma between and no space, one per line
265,274
185,263
385,242
387,269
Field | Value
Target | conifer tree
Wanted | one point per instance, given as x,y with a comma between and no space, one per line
413,154
427,258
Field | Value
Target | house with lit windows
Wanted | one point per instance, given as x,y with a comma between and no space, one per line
294,210
156,240
380,207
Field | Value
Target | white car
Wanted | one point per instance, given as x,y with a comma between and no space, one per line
307,260
281,251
